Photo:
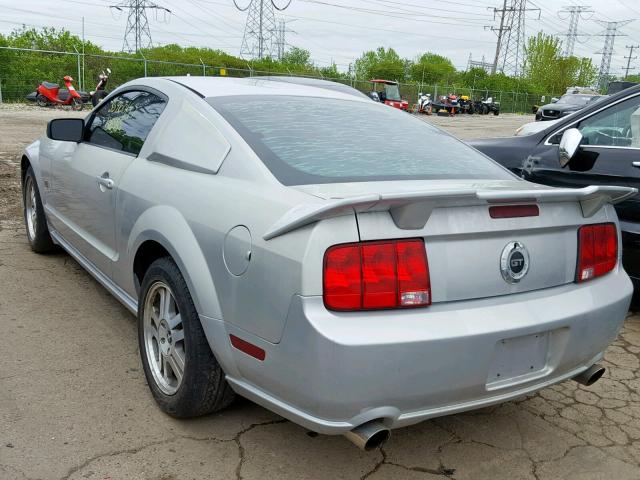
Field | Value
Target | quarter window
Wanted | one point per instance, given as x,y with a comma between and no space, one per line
125,121
617,126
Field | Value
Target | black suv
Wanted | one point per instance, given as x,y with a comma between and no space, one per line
565,105
609,154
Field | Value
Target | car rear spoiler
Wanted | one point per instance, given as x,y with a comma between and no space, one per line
411,210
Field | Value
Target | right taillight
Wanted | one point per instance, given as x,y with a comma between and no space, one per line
376,275
597,250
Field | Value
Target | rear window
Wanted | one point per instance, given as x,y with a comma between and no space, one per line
307,140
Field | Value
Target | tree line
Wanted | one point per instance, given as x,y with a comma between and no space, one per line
545,70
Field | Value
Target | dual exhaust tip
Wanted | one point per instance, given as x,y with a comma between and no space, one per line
369,436
373,434
590,376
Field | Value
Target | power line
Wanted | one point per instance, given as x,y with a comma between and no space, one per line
137,34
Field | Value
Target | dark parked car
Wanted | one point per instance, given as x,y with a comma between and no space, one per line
608,154
567,104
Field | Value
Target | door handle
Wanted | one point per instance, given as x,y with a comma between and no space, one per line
636,164
105,181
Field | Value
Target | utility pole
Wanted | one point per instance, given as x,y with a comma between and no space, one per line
575,13
137,34
500,31
609,35
81,80
629,58
509,55
261,35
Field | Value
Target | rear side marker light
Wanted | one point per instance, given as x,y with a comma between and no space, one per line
597,250
514,211
376,275
248,348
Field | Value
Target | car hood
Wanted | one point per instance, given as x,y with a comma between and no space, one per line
562,107
534,127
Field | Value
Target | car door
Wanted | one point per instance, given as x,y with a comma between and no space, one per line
84,184
610,146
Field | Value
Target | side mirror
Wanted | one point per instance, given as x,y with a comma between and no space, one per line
569,144
108,71
66,129
554,99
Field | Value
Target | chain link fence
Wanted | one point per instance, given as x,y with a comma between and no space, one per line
30,67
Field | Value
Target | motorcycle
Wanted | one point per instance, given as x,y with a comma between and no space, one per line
425,104
99,93
49,94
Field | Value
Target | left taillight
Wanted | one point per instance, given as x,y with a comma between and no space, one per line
597,250
376,275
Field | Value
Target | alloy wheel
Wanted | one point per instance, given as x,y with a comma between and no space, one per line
31,213
164,338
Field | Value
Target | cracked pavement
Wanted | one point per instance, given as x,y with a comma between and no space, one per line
74,403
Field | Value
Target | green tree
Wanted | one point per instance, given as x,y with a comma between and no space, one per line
547,70
380,63
431,68
297,57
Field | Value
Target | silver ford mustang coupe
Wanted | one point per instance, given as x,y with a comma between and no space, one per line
310,250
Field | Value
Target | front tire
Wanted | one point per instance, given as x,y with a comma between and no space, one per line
185,378
34,219
76,104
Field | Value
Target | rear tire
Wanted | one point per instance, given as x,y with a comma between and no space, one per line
41,100
34,218
97,97
496,112
184,376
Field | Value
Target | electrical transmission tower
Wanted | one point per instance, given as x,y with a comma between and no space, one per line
629,58
607,51
575,13
261,34
486,66
511,36
137,34
281,37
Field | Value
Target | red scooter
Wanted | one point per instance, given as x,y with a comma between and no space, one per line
48,94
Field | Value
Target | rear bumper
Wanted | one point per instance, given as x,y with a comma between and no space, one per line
332,372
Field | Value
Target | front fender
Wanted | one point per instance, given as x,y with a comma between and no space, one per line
167,226
32,154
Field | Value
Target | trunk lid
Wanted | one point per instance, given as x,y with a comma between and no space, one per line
465,245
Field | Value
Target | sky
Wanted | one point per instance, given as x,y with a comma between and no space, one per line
340,30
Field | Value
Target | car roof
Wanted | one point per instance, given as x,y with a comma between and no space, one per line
227,86
315,82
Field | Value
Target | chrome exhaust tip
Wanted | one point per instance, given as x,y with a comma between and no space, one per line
369,436
590,376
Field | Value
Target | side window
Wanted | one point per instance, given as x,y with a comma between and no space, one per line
124,122
617,126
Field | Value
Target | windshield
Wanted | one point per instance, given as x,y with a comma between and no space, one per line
307,140
392,92
575,99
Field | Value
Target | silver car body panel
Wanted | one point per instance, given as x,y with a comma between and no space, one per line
251,251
